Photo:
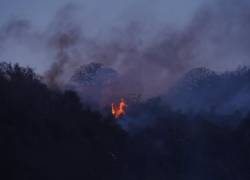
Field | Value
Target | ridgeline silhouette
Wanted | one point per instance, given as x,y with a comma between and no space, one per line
49,134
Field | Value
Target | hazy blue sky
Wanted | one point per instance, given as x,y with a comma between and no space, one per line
96,16
40,12
158,44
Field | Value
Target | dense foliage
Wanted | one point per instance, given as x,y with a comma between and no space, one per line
48,134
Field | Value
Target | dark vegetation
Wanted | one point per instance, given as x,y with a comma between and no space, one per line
202,89
48,134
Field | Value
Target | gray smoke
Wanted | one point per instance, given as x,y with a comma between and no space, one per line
148,63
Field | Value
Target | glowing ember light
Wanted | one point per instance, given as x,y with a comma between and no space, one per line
120,110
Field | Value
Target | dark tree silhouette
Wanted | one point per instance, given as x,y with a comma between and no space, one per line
49,134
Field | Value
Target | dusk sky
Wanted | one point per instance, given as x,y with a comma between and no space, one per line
157,40
97,18
41,12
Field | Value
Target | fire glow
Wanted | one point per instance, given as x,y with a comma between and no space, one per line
120,110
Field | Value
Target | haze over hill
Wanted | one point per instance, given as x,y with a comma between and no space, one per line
198,90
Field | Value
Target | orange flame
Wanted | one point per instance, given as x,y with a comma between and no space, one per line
119,111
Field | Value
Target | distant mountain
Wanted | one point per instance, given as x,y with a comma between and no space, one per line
204,90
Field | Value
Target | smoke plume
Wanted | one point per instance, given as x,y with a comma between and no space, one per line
147,63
